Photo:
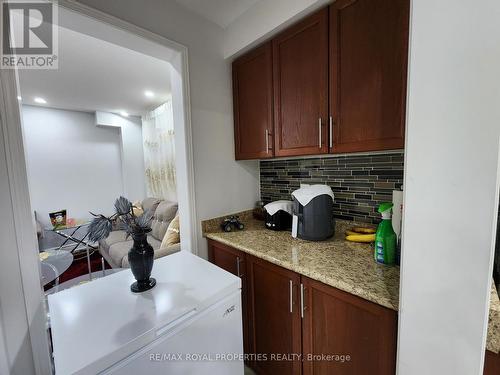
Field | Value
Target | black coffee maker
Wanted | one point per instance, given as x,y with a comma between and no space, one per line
313,213
279,215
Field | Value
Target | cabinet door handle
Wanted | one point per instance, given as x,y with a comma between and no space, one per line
291,296
238,261
331,132
302,303
319,128
267,141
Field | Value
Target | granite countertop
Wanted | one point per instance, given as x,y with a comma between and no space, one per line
493,339
344,265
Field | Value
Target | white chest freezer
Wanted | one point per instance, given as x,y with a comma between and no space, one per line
190,323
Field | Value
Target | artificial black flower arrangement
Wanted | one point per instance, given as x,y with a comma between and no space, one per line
101,226
141,255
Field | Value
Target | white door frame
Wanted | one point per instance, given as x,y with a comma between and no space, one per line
10,121
28,273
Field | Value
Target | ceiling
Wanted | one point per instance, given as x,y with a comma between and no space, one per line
97,75
221,12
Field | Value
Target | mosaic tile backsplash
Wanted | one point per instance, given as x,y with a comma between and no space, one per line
359,183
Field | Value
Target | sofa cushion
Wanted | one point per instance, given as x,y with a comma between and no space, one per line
114,237
154,242
165,212
172,235
158,254
118,252
164,251
150,204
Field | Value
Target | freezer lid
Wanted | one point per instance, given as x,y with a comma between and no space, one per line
98,323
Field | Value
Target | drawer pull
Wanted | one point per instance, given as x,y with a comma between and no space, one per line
267,141
302,303
319,128
331,132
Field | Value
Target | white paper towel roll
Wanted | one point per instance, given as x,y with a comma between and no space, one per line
397,210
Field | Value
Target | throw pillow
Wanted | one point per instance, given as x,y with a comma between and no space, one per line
138,211
172,235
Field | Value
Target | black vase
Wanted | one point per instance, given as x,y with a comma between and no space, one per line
140,258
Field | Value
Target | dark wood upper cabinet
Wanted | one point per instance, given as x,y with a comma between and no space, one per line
336,322
233,261
368,65
300,80
333,82
253,104
275,323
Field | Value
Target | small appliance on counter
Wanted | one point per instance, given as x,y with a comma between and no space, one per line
397,217
313,213
279,215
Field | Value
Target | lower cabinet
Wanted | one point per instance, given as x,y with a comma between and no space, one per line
491,363
275,323
296,325
359,336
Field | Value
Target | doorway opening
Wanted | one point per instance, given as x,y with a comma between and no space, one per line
50,104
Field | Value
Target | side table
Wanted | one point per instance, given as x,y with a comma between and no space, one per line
53,263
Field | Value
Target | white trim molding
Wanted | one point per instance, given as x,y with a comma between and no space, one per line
25,234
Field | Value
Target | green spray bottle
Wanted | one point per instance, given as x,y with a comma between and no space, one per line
385,238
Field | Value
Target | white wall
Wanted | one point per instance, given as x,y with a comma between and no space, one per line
222,185
264,19
132,153
72,163
4,360
13,320
451,190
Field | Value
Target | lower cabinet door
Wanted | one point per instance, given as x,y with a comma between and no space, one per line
275,326
344,334
491,363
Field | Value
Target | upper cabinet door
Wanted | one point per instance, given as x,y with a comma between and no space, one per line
301,87
253,104
368,64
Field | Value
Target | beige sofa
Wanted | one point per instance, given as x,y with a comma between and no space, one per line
115,248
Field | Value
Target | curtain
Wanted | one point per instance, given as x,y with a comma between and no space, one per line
159,152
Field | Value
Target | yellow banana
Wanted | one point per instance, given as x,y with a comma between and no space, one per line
350,233
363,230
364,238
